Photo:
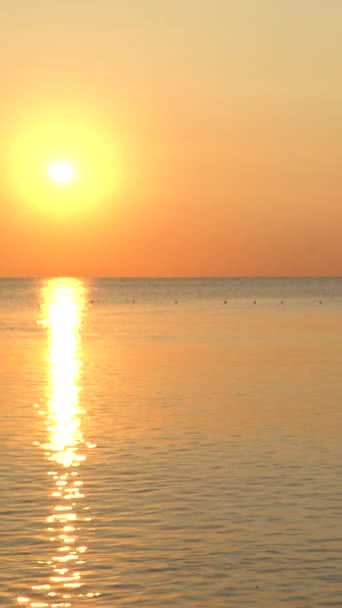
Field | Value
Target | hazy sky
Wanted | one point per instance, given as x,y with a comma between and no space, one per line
207,136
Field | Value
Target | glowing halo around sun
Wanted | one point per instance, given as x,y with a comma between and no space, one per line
66,168
61,172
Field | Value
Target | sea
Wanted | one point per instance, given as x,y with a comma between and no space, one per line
171,443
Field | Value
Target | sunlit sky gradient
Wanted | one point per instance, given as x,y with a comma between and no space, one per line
207,135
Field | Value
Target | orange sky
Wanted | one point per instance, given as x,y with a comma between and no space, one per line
207,136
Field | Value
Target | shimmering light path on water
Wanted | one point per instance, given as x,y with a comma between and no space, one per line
163,455
63,307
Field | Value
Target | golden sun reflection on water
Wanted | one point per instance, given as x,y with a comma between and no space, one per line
63,309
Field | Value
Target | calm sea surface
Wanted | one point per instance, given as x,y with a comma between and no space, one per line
162,448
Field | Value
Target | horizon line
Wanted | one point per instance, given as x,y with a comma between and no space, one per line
164,278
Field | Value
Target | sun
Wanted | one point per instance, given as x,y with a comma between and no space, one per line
65,165
61,172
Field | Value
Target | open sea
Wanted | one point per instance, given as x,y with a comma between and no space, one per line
171,443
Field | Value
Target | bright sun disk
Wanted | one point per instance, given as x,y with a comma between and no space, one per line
61,172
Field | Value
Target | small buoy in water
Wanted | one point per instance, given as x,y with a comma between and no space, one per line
320,301
254,302
282,302
225,302
133,301
176,301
